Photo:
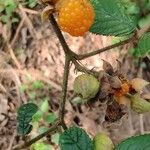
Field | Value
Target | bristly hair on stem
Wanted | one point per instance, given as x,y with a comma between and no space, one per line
71,56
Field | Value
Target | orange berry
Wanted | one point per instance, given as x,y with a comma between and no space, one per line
75,16
124,90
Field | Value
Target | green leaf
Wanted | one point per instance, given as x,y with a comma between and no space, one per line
55,138
50,118
4,18
144,21
32,3
24,87
42,129
37,116
24,117
9,9
111,18
141,142
24,129
32,95
147,4
75,138
143,47
41,146
14,20
44,106
37,85
8,2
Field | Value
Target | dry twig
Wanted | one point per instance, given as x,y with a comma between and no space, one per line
17,32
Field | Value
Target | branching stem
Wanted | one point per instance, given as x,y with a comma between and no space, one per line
27,144
61,37
83,56
64,91
70,56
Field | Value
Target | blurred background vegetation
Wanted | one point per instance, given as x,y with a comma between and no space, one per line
31,69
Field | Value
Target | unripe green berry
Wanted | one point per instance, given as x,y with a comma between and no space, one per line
86,85
139,105
103,142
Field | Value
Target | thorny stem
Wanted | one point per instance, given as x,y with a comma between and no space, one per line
27,144
61,37
81,68
83,56
70,56
64,92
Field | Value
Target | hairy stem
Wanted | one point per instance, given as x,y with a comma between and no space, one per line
81,68
64,92
68,55
83,56
27,144
61,37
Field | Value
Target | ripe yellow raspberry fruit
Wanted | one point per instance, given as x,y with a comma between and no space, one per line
75,16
